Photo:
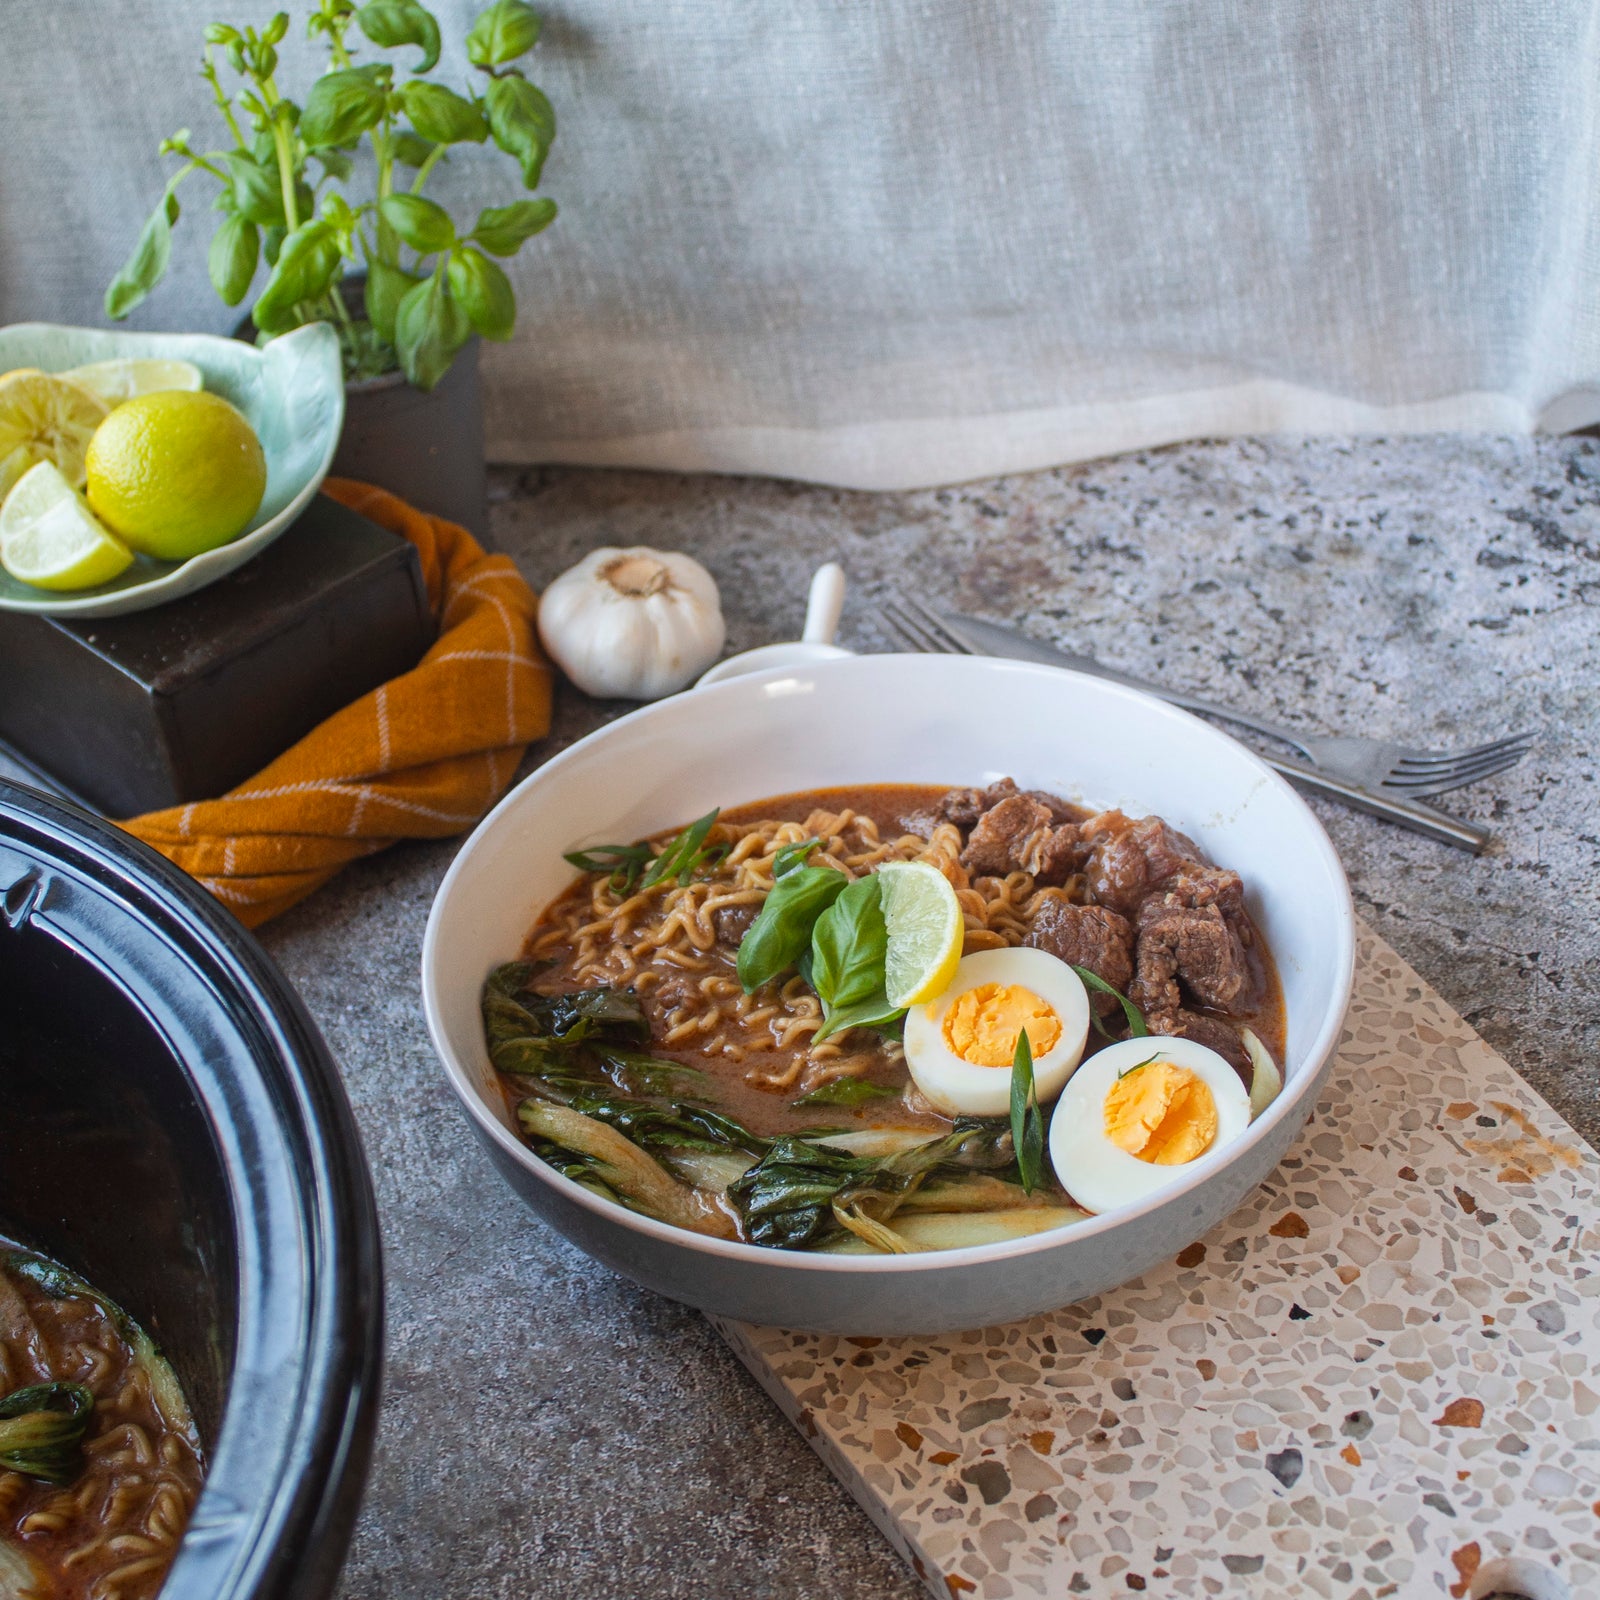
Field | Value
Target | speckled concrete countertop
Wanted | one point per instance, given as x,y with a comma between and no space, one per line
549,1430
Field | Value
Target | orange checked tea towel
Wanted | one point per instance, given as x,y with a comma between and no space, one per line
422,757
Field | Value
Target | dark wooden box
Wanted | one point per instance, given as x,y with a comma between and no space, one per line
184,701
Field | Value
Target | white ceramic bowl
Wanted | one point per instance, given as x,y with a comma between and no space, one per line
895,719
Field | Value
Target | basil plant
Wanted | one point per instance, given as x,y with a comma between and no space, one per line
283,185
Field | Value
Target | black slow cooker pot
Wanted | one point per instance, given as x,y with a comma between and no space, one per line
173,1128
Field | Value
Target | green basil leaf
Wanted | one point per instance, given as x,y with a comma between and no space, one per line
409,149
387,286
430,328
307,267
780,937
335,163
523,123
1027,1123
848,946
257,191
443,116
231,261
145,268
424,225
874,1011
483,291
502,230
392,23
343,105
508,29
275,30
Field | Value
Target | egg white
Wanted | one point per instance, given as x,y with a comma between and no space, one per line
1100,1175
959,1087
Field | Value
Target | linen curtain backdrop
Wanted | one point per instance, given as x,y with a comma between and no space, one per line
886,243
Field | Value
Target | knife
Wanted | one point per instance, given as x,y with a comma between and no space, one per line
990,639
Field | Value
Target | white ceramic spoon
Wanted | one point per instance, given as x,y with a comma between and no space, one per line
816,639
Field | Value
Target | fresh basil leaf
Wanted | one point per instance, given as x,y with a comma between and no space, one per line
1136,1023
792,856
1027,1122
873,1012
847,1092
392,23
848,946
502,230
430,328
256,188
523,123
387,286
508,29
410,149
335,164
275,30
421,223
307,267
483,291
231,260
343,105
781,934
443,116
145,268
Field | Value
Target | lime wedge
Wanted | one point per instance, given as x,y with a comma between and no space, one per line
51,539
124,378
923,918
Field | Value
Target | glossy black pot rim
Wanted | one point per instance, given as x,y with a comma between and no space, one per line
286,1473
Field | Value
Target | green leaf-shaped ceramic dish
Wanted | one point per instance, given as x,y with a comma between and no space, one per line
292,392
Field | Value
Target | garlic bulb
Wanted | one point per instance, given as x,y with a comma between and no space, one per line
632,624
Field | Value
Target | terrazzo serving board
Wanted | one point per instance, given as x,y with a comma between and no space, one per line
1378,1377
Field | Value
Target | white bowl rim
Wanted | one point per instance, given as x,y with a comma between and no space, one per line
1288,1099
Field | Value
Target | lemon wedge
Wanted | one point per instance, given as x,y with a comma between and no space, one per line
125,378
926,931
45,418
51,539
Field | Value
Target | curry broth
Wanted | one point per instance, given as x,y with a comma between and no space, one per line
734,1086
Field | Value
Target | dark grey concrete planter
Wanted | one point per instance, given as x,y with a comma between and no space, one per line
425,447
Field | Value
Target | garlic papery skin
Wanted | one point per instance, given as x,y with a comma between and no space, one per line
632,624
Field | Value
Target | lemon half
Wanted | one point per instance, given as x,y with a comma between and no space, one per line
51,539
926,931
176,473
45,418
125,378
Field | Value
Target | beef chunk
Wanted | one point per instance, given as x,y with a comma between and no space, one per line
1201,949
1130,860
1095,937
1061,810
960,806
1007,837
732,923
1019,835
1212,1032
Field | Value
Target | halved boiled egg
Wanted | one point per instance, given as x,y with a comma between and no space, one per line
1138,1114
960,1045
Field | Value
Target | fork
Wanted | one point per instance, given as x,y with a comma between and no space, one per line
1347,775
1372,763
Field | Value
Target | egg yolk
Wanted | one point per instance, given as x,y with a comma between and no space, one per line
983,1022
1161,1113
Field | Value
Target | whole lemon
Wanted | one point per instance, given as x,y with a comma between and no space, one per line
176,473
